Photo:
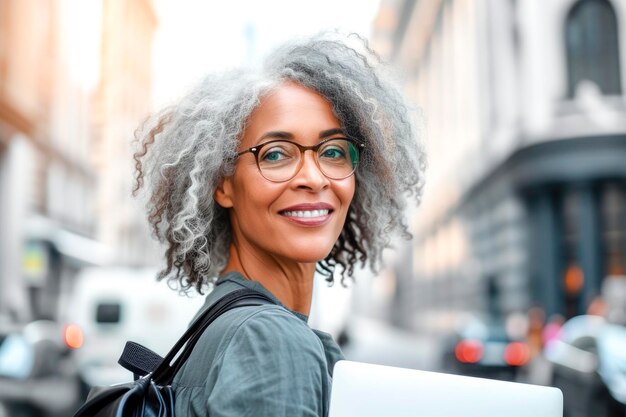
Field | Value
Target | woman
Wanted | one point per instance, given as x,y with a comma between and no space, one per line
261,177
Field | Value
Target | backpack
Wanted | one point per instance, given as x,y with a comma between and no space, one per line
151,393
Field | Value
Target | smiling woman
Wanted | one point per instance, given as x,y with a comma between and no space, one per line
293,213
258,178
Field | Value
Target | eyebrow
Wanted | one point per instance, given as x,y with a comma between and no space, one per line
278,134
331,132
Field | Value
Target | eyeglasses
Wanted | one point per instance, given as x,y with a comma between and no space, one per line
280,160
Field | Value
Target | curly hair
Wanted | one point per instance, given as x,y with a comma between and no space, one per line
185,150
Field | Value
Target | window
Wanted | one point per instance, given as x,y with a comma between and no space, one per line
108,313
586,343
591,42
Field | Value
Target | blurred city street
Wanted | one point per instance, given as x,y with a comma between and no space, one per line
517,265
374,341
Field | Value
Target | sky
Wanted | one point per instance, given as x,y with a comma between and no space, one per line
195,37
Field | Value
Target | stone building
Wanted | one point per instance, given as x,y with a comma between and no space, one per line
123,100
525,115
54,60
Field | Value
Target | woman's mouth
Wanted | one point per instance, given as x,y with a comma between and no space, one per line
306,213
308,216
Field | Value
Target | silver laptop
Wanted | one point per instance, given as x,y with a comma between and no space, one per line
367,390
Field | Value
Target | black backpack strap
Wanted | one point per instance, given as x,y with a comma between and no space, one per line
176,357
141,361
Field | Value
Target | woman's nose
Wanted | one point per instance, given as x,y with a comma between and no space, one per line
309,175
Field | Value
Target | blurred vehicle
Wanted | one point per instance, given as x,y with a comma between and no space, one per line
38,377
109,306
588,363
484,348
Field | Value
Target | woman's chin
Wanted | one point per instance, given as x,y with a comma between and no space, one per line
309,259
308,255
308,249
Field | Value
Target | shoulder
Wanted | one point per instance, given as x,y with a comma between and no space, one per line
262,332
270,339
266,329
272,362
261,361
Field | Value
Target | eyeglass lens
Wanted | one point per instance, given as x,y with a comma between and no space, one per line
280,160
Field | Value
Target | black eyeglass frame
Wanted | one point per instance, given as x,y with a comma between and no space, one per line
256,149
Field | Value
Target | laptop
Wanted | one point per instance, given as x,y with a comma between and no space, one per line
367,390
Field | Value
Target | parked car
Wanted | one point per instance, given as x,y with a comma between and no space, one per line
483,348
38,377
109,306
588,362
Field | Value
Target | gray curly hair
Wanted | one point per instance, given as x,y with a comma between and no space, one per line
185,150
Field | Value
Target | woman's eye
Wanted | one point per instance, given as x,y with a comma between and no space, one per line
272,156
333,153
276,154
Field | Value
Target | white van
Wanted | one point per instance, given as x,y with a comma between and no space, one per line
109,306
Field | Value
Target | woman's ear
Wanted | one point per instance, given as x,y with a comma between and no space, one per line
223,193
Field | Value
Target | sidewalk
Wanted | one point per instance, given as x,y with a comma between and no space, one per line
377,342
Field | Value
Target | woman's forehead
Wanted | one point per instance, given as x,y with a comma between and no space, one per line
291,108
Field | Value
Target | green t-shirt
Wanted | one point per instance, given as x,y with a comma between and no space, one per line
261,361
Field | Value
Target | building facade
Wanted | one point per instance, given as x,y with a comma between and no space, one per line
526,135
123,100
51,167
46,178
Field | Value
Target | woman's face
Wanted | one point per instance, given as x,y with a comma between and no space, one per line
299,219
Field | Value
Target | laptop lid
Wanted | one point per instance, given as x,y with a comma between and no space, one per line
367,390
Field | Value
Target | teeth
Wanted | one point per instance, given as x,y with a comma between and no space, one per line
307,213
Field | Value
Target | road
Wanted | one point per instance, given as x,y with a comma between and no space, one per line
377,342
